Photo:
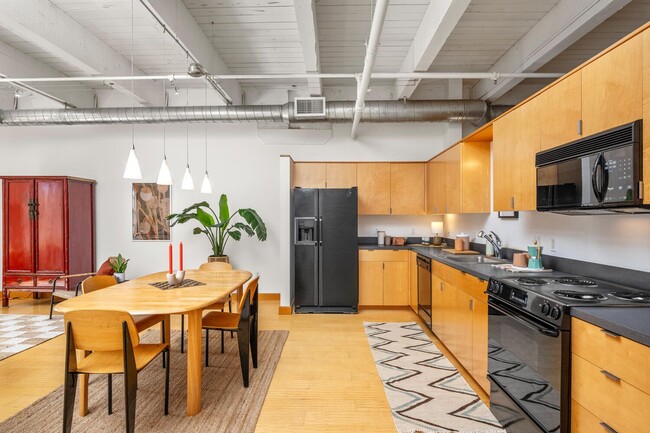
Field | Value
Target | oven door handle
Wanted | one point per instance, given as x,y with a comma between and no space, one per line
549,332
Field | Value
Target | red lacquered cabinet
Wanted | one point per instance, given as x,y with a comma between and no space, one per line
48,226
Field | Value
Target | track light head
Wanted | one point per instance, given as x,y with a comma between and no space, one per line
195,70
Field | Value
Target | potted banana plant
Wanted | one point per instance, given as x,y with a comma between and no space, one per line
220,227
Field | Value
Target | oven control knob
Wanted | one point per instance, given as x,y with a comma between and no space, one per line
546,308
555,313
494,287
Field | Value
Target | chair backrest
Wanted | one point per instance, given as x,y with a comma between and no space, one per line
250,289
100,330
215,266
97,282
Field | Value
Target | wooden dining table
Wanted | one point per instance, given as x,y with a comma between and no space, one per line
139,296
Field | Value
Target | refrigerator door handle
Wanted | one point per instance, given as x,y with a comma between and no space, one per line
320,231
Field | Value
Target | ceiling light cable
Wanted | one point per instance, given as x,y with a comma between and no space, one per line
164,175
132,169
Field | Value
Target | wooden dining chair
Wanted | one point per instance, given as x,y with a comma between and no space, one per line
142,321
210,267
244,322
112,339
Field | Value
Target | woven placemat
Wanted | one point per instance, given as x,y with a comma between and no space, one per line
164,285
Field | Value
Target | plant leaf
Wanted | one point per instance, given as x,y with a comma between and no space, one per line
204,218
236,234
224,212
256,223
198,231
245,227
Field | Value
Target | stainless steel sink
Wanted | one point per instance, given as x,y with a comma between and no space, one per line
475,259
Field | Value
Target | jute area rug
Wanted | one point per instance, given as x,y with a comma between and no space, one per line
227,405
425,391
20,332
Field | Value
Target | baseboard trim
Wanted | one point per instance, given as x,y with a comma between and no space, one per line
269,296
384,307
284,311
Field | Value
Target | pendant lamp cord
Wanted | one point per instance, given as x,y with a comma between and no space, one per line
164,85
187,101
132,104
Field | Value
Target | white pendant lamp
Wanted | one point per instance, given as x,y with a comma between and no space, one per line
164,175
188,182
206,186
132,169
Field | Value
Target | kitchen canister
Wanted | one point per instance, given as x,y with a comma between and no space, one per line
461,242
380,237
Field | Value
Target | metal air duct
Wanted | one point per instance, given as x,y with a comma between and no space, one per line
337,112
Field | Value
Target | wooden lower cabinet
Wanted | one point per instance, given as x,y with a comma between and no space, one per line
384,277
609,381
459,318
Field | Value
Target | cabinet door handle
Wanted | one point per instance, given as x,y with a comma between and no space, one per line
608,428
512,202
610,333
471,305
442,287
579,126
50,281
610,376
20,280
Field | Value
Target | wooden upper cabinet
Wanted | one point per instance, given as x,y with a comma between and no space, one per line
612,87
407,182
341,174
646,116
373,179
459,179
310,174
516,142
436,189
560,112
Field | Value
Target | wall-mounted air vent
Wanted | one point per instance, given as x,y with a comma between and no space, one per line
309,108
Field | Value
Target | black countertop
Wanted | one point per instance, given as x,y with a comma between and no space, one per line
630,322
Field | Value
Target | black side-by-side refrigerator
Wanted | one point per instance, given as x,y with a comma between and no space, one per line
325,250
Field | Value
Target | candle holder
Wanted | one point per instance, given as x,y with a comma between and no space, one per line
171,279
180,276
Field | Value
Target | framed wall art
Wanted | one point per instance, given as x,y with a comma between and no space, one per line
151,205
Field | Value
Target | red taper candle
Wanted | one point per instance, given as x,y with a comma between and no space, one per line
171,259
180,247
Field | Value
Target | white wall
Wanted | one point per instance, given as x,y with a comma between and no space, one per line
240,165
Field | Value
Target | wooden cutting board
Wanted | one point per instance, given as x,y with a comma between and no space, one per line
453,251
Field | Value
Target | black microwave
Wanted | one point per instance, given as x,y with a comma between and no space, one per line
599,174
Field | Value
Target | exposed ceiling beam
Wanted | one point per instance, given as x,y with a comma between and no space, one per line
46,26
306,18
565,24
437,24
14,63
181,23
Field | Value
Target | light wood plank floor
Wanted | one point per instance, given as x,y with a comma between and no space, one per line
326,380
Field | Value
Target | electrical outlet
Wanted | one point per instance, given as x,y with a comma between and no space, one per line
553,249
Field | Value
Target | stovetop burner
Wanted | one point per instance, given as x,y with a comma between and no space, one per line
580,296
527,281
632,296
576,281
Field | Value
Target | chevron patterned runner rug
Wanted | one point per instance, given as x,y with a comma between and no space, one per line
425,391
20,332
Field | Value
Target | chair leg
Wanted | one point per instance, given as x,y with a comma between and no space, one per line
222,348
182,333
207,341
69,392
166,354
130,391
243,340
253,336
110,394
51,306
232,334
162,338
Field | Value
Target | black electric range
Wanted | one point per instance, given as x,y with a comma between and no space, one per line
529,344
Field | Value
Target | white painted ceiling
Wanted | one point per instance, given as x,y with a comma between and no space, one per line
263,37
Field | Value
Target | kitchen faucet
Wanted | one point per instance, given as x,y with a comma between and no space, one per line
496,242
